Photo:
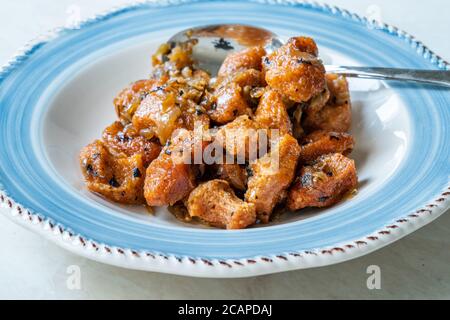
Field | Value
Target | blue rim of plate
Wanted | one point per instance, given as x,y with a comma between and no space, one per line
415,195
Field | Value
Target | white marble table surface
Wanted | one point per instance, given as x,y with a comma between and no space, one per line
414,267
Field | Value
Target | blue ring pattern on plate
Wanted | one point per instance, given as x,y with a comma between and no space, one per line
25,87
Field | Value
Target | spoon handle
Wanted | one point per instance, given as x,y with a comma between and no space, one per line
437,77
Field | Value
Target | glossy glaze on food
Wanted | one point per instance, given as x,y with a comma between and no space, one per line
279,128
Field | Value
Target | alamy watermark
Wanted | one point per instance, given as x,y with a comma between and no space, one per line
374,280
242,145
374,16
73,16
73,281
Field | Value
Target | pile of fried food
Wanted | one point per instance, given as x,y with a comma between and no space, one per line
287,90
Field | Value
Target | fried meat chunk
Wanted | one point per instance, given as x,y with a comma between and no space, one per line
129,99
304,44
241,138
125,141
233,173
251,81
233,95
171,176
246,78
157,115
120,179
294,71
249,58
319,143
272,114
336,115
323,183
176,102
171,58
215,203
229,103
271,175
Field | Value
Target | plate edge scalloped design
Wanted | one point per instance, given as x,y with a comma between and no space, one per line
201,267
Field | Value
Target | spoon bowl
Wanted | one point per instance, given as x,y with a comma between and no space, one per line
215,42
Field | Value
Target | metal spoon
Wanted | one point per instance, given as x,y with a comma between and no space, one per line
215,42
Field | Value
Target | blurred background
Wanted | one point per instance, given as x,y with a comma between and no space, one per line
414,267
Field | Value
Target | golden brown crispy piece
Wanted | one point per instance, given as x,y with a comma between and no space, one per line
215,203
158,114
233,95
190,86
322,142
240,138
193,116
173,57
95,162
238,75
317,103
336,115
229,103
246,78
309,110
251,81
271,113
190,89
129,99
233,173
271,175
324,183
171,176
120,179
175,103
125,142
304,44
246,59
181,55
296,73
